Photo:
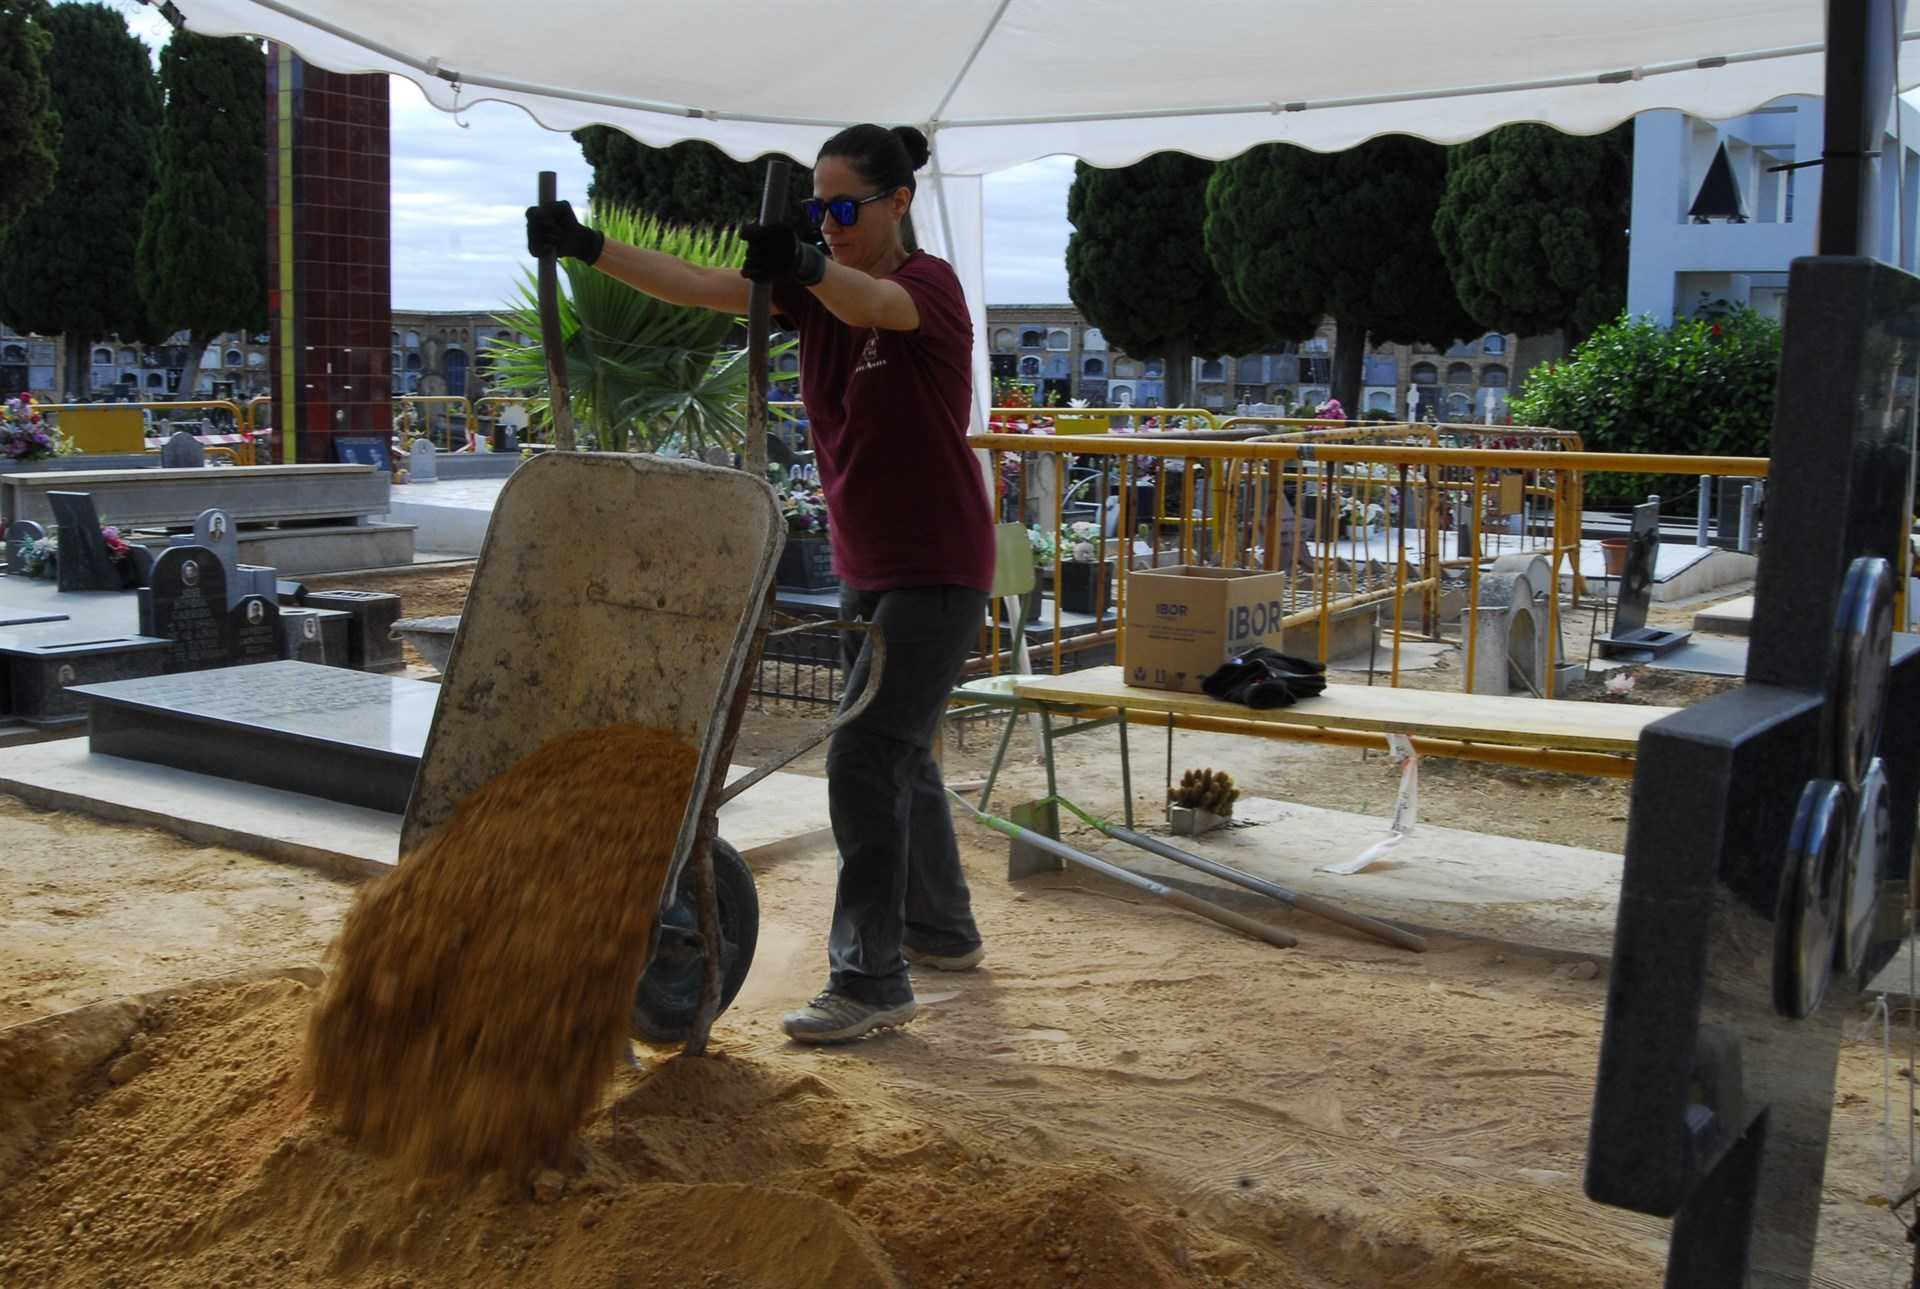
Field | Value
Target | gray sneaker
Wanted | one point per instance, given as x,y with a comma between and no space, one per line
836,1018
945,961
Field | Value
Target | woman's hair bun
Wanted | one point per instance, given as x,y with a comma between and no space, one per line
914,142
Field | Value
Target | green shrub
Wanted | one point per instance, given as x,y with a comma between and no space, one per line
1702,387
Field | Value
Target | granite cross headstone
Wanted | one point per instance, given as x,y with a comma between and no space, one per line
182,450
1772,828
424,462
185,601
19,533
85,564
256,630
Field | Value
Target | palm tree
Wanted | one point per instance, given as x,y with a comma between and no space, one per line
638,368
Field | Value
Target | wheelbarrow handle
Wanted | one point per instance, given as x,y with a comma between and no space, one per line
876,665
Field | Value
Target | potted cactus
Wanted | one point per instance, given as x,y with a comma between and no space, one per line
1203,801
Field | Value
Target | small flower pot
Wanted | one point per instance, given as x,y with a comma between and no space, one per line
1614,551
1189,821
1084,586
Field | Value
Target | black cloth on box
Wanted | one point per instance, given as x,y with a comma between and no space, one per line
1263,678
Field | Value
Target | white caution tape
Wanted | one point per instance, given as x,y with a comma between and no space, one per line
1406,809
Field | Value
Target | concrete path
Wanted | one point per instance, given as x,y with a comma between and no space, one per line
783,812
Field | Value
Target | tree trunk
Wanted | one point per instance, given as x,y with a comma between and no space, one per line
73,373
1179,372
1349,357
190,374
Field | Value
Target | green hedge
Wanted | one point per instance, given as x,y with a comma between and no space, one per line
1703,386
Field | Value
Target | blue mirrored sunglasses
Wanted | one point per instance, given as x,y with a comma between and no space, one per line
845,210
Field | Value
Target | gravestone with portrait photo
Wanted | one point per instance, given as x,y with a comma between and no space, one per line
256,630
215,530
185,601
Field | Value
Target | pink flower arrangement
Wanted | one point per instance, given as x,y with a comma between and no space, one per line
24,433
1331,411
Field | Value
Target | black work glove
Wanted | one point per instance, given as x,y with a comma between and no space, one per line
552,230
1263,678
775,253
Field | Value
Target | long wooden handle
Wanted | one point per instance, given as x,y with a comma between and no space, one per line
559,399
773,201
1227,917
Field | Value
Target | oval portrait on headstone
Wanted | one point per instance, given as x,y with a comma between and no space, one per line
65,675
309,628
217,527
256,610
190,573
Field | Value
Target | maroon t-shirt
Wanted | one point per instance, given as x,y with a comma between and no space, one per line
906,505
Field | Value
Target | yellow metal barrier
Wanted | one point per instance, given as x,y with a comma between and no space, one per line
1240,514
123,415
1107,414
417,409
487,410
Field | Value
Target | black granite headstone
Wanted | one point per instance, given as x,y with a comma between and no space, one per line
301,639
1771,832
186,602
1636,583
370,642
84,562
322,731
289,592
19,533
256,631
35,676
1631,638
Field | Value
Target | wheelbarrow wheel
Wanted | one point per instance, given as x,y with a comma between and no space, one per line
668,996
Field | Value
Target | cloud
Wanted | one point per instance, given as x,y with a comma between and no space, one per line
460,184
1026,232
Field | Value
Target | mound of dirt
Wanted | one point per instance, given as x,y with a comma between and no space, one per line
479,995
207,1166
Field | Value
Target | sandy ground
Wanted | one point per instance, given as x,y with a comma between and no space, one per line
1122,1095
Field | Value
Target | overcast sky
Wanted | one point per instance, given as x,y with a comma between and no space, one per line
460,187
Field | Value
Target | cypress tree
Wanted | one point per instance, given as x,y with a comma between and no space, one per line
67,263
202,253
29,127
1137,268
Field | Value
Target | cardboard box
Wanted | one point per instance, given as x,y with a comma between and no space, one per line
1184,621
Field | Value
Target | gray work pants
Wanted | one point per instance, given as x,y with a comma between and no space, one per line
900,876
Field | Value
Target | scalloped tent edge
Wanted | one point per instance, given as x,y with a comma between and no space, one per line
986,80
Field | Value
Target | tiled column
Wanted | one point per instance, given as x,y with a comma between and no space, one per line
329,257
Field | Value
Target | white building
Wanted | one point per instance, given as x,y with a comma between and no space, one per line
1677,264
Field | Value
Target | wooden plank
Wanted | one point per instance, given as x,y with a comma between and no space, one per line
1474,718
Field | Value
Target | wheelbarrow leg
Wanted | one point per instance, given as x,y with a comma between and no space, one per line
706,897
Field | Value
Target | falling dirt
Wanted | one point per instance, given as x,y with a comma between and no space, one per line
480,993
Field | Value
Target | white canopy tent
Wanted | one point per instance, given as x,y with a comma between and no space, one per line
995,83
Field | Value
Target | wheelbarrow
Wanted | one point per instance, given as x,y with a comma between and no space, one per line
618,589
